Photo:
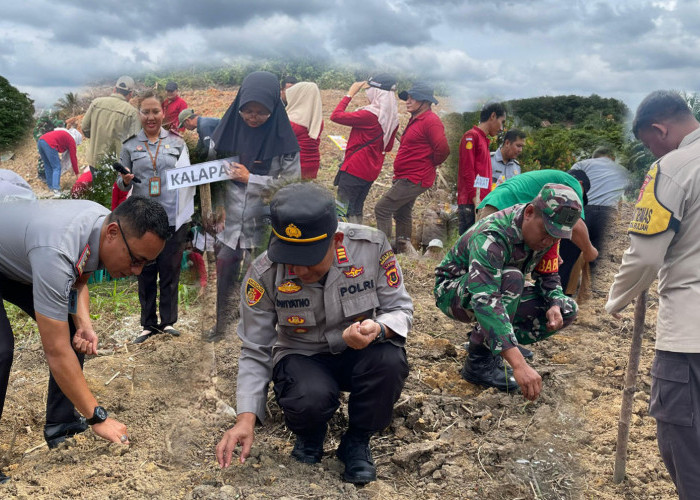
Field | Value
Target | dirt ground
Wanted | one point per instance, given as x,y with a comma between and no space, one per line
448,438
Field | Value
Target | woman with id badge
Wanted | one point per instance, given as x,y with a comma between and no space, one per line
148,155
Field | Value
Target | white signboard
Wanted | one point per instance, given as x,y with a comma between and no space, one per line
200,173
481,182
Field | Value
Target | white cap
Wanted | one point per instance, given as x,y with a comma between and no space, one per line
435,243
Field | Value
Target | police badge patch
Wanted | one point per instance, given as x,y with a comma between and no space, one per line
392,277
296,320
354,272
289,287
254,291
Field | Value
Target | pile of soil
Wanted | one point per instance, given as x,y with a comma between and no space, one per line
448,438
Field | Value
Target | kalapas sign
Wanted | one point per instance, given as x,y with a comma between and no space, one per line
200,173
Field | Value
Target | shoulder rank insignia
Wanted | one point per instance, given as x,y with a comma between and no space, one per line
354,272
384,259
80,265
289,287
342,255
254,291
392,277
296,320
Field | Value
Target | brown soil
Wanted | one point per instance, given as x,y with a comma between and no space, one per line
449,439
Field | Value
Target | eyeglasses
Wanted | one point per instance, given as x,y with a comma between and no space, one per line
252,115
134,261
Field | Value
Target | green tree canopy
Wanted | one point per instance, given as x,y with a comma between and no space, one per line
16,111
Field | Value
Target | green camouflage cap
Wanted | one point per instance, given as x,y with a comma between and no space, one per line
561,209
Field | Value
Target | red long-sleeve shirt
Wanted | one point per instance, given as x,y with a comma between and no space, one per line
61,141
309,153
423,147
474,159
365,163
171,111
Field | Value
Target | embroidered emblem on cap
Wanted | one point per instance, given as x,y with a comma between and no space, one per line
292,231
296,320
392,277
254,291
80,265
289,287
354,272
342,255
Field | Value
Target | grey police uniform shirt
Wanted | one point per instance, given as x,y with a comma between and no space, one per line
135,157
14,187
280,315
247,214
501,171
50,244
608,180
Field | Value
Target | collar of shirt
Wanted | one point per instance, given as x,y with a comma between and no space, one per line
691,137
141,135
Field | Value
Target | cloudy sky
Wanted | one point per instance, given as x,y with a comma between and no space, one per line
480,49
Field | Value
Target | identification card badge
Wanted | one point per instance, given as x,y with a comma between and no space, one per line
73,301
154,186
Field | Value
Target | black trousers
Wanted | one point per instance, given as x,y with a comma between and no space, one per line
228,283
352,191
598,219
59,408
569,254
467,217
167,268
308,387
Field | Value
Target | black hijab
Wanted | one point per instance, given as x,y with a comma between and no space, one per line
273,138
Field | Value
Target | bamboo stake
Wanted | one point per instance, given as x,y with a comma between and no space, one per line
623,428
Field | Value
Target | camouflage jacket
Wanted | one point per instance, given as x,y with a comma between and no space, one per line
494,243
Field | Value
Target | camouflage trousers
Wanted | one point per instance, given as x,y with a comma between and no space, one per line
525,306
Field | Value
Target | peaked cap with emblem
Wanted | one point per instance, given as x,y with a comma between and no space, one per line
561,209
303,224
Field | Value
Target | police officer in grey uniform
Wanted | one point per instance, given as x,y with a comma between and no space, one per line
48,249
324,310
149,155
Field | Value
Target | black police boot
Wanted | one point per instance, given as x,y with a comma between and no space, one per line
213,335
354,452
483,368
3,478
308,448
55,434
527,353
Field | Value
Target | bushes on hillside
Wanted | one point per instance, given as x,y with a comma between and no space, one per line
16,111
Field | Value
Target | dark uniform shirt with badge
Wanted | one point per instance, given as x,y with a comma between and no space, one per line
280,315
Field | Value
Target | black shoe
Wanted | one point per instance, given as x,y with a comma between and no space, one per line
145,335
4,478
483,368
527,353
309,449
212,335
170,330
55,434
354,452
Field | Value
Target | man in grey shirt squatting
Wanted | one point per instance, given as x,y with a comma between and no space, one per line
48,249
324,310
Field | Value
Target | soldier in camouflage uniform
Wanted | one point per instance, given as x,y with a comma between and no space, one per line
482,278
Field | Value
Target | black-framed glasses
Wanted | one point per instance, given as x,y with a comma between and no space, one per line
134,261
253,115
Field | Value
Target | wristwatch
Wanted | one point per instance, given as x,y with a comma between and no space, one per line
99,415
382,334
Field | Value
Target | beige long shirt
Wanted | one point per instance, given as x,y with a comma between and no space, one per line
665,241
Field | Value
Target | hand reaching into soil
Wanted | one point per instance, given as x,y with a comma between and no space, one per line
242,433
111,430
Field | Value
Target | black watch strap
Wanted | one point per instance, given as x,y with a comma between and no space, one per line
382,334
99,415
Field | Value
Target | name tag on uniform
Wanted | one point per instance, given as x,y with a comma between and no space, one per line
154,186
73,301
481,182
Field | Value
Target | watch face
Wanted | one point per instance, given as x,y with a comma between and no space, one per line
100,414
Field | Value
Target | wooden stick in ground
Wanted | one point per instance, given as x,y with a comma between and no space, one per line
623,428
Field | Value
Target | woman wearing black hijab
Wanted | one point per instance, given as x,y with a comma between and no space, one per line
256,129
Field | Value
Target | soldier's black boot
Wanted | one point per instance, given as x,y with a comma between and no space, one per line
527,353
483,368
354,452
55,434
308,448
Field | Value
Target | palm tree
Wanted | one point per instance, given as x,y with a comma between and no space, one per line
69,105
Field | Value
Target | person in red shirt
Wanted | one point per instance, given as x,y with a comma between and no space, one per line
305,112
50,145
423,148
371,136
474,179
172,106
